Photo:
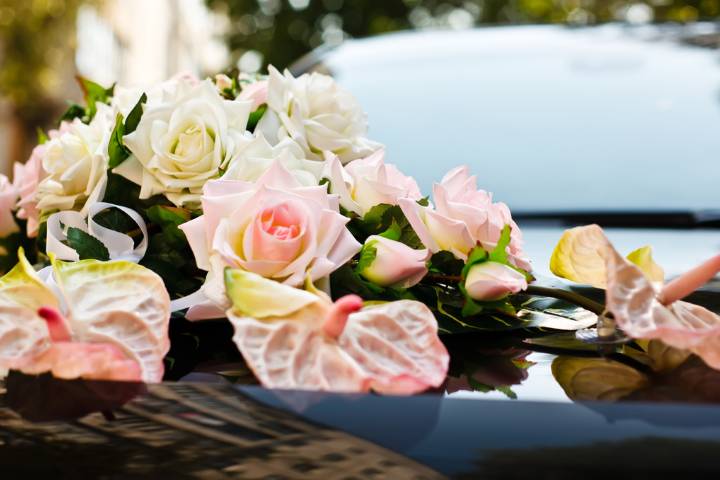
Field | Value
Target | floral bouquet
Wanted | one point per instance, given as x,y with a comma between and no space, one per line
261,201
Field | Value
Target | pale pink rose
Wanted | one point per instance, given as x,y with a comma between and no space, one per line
26,178
462,218
8,198
369,181
395,264
490,281
273,227
255,91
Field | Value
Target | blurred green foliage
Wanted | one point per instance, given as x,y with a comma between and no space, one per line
283,30
36,47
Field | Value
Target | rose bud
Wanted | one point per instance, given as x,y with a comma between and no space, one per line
395,264
489,281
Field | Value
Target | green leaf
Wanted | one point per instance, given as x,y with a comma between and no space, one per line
446,263
379,219
346,280
394,231
116,220
86,246
94,94
367,257
133,118
255,117
499,253
74,111
117,152
477,255
168,216
41,136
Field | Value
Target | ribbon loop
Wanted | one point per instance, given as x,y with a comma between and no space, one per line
119,245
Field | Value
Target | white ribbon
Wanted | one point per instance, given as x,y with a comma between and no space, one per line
119,245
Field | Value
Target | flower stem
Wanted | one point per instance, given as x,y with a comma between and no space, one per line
572,297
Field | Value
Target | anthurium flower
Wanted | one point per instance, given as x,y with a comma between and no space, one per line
314,111
299,339
643,308
463,217
274,227
389,263
100,320
366,182
580,256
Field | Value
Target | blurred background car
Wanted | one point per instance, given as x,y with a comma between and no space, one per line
578,122
613,124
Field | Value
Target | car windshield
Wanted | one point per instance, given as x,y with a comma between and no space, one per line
550,119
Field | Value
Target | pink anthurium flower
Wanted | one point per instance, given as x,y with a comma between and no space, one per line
298,339
101,320
635,295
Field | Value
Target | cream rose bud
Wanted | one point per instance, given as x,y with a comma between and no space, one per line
75,164
489,281
184,141
394,263
314,111
369,181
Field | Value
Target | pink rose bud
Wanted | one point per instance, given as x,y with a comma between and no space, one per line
395,264
493,281
255,91
223,82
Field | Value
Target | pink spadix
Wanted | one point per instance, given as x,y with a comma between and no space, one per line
339,313
690,281
56,323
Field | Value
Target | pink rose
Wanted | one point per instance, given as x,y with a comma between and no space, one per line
26,178
8,197
369,181
273,227
490,281
462,218
255,91
395,264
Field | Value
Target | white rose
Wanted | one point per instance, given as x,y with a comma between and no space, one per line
125,98
367,182
183,142
256,157
75,164
315,112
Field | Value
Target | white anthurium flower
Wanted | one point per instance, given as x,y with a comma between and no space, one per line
97,320
75,164
182,143
257,156
317,113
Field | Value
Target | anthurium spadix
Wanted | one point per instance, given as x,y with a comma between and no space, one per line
95,320
300,339
639,302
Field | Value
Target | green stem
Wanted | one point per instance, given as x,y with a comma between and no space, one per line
572,297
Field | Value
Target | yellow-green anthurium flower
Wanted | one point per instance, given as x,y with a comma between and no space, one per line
300,339
93,319
580,256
